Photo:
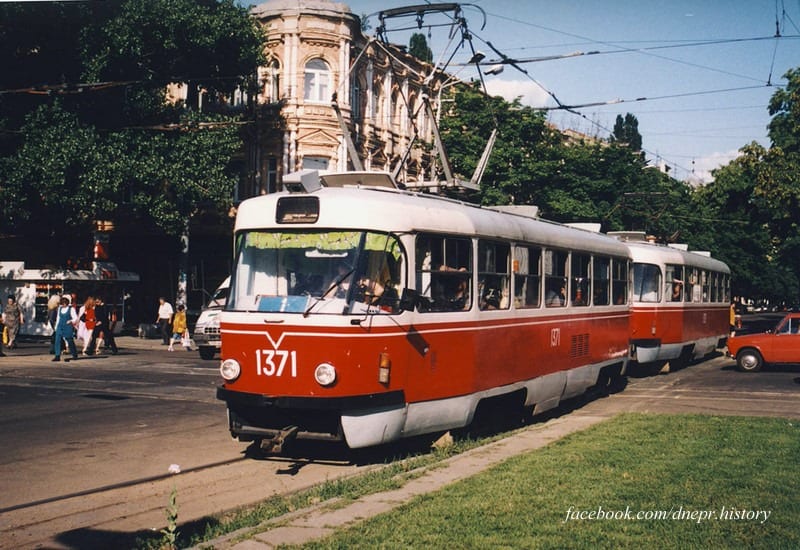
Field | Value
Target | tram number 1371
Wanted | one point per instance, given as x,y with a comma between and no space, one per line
273,362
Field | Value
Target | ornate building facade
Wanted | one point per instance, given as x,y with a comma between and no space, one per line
318,59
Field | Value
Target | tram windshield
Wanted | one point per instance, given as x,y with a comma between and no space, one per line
330,272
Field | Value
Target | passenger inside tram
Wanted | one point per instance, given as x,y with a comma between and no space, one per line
557,296
677,291
452,292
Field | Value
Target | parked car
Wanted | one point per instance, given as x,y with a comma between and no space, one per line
779,345
206,330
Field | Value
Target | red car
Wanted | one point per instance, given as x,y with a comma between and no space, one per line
780,345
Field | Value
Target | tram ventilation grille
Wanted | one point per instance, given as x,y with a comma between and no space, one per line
579,345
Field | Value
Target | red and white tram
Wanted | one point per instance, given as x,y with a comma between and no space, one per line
366,314
681,301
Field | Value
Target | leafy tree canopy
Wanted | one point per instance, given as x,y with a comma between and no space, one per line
626,131
86,133
784,107
418,47
568,179
749,216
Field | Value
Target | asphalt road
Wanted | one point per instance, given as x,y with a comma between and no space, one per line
87,445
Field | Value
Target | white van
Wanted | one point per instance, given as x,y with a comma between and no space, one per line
206,331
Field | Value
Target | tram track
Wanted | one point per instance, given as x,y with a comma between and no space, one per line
112,487
116,514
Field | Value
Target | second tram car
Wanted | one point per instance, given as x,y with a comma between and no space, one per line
366,314
680,303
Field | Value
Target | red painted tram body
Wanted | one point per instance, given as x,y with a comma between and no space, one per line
366,314
680,302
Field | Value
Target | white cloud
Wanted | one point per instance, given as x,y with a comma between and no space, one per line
529,92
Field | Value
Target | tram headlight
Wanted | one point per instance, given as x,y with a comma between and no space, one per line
325,374
230,370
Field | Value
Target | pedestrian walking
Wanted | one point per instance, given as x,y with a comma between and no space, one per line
66,322
86,324
103,329
52,319
164,319
180,329
12,320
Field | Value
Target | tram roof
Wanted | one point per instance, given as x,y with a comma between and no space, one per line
397,211
647,252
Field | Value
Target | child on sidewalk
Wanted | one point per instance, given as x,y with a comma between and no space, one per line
180,330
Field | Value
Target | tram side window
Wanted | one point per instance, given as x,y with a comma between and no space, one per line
527,276
673,282
646,283
601,282
714,284
726,288
704,280
694,292
619,281
555,278
493,277
444,272
581,281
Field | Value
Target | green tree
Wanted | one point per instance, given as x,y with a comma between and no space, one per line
103,143
779,185
784,107
626,131
752,207
45,186
570,180
418,47
739,233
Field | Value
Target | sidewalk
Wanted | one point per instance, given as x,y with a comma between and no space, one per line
34,352
320,521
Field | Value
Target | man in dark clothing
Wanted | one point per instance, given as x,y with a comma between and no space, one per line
104,327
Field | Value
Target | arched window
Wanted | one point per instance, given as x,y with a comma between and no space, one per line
272,82
317,81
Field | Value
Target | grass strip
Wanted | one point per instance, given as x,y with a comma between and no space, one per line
694,481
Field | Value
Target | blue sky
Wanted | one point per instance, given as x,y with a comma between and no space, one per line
695,126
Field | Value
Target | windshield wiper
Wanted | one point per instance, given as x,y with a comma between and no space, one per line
335,286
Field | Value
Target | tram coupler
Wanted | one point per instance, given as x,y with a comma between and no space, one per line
275,444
